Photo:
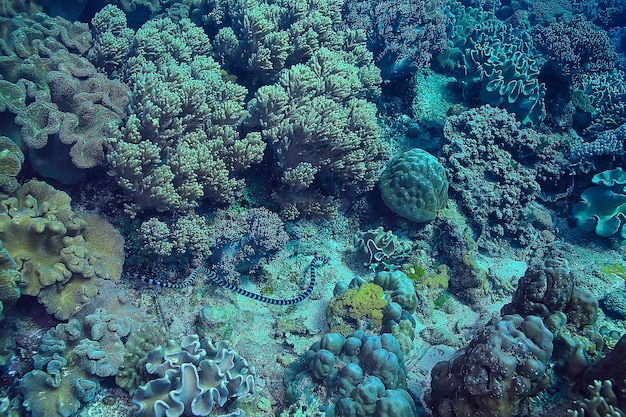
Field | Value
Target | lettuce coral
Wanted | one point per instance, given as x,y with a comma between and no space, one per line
193,378
603,206
499,70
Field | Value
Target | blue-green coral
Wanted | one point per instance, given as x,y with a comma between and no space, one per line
414,185
193,378
603,206
180,142
499,70
361,375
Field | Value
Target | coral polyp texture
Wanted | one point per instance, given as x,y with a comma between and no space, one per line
415,186
194,378
505,363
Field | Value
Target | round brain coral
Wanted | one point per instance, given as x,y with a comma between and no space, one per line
414,186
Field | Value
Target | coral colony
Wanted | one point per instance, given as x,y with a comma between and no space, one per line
338,208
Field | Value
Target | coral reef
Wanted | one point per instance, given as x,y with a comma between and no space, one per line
414,186
493,179
504,364
187,235
599,102
63,258
74,356
379,249
357,375
247,241
10,277
191,149
256,39
193,379
131,373
576,45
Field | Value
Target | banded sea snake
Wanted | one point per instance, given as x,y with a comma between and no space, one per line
317,261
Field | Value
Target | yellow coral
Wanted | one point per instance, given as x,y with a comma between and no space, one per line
366,301
63,258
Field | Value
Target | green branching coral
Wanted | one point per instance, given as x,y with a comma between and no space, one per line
264,37
180,142
321,129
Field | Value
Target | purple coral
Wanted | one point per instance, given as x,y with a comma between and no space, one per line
246,241
404,35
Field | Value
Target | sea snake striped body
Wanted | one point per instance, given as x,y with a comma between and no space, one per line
317,261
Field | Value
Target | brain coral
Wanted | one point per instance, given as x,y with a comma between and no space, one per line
63,257
194,378
414,185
